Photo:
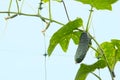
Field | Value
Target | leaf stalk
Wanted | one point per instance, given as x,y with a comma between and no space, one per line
102,52
89,18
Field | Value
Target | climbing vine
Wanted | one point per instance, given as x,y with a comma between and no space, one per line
107,53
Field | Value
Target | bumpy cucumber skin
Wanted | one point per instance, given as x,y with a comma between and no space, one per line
83,47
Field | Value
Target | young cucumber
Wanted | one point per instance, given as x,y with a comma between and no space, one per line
83,47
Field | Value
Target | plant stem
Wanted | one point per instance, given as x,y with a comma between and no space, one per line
39,7
17,6
9,7
88,22
34,15
96,76
50,15
66,10
102,52
94,49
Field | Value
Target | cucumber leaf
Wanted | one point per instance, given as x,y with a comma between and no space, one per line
84,69
64,34
112,52
116,44
99,4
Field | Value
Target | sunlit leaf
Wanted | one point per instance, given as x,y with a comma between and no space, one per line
99,4
112,52
116,44
65,42
64,34
84,69
109,50
45,1
85,1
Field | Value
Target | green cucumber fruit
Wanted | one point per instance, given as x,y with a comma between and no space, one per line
83,47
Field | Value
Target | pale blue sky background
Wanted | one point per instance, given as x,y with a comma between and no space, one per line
22,42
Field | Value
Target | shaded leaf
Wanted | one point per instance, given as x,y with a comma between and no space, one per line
84,69
64,43
63,35
99,4
75,36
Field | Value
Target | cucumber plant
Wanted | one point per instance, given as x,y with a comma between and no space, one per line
107,53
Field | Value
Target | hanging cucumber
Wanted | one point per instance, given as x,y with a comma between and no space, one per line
83,47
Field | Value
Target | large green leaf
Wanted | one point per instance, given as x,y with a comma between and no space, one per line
84,69
99,4
65,40
64,34
112,52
